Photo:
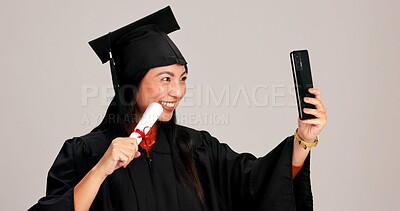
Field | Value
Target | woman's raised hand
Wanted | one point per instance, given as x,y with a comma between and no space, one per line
119,154
309,129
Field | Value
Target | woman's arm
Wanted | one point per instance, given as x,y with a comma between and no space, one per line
309,129
85,191
119,154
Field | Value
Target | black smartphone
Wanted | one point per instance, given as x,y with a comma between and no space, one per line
301,69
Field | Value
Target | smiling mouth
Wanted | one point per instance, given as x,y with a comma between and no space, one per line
167,104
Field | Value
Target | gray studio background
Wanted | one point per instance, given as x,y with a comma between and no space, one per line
53,87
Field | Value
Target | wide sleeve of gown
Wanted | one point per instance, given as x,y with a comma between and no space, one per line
64,174
244,182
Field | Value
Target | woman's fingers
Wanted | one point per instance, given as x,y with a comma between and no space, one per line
120,153
315,92
310,128
319,122
320,109
126,149
317,113
316,102
121,158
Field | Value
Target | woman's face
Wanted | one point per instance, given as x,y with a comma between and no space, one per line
165,85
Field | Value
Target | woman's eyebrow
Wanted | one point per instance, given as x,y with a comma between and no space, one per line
184,72
169,73
165,72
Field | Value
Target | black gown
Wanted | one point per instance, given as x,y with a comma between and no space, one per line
230,181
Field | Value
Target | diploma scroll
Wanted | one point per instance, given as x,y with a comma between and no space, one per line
148,119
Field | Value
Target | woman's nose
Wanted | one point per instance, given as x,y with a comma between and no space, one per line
176,90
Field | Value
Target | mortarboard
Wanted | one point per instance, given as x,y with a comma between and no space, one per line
163,18
135,48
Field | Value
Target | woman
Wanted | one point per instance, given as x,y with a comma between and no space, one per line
174,168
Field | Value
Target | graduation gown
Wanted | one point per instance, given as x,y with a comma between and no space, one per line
231,181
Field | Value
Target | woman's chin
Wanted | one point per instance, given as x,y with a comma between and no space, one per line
165,117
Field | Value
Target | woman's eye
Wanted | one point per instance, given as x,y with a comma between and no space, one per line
184,78
166,79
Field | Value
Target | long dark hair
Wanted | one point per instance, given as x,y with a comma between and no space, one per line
183,156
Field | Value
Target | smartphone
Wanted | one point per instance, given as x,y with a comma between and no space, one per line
301,70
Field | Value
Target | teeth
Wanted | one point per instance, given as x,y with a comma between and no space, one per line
170,105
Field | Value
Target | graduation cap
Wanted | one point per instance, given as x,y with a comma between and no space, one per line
135,48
